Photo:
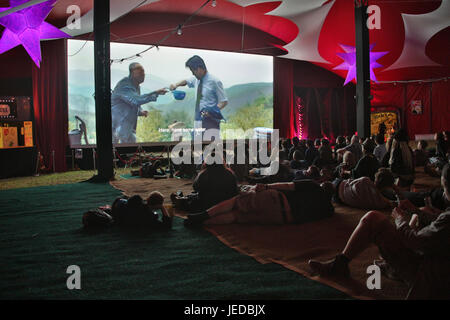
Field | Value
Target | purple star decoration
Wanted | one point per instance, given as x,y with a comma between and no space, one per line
27,27
349,57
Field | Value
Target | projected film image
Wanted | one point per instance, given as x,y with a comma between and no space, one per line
156,95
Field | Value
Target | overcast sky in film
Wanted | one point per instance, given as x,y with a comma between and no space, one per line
169,63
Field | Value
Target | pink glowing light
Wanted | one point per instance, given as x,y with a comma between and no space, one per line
349,64
300,120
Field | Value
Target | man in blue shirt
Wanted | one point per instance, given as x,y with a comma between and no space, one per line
126,101
210,96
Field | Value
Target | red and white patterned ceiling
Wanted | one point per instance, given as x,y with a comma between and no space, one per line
416,33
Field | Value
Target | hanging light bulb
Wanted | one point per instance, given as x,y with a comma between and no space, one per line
214,4
179,31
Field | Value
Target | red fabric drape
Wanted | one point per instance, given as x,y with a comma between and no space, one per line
50,103
283,97
386,95
329,108
418,123
434,98
328,112
440,105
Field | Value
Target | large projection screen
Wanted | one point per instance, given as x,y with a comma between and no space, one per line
247,81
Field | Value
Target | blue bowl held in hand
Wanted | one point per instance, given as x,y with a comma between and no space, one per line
178,94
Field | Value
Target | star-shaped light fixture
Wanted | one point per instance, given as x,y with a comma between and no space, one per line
349,64
27,27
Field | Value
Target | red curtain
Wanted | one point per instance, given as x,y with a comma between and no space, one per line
328,112
432,96
418,123
50,103
328,107
440,100
283,97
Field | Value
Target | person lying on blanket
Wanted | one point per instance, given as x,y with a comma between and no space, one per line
364,193
415,250
276,203
381,194
134,212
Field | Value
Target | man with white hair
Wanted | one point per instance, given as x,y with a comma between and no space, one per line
126,101
354,147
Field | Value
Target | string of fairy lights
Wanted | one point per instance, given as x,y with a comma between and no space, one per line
419,81
177,30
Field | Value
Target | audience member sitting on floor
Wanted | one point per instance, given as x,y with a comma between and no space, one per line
136,213
317,142
441,155
354,147
278,203
326,174
325,154
368,165
441,146
364,193
401,159
421,154
348,140
296,162
213,184
297,145
312,173
343,170
440,158
387,155
284,151
284,174
380,149
311,153
289,143
447,141
418,254
340,143
440,197
185,170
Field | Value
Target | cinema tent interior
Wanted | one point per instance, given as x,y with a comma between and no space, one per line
310,69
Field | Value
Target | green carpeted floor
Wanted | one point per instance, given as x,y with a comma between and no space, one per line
41,235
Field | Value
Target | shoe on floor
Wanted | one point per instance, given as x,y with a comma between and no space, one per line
337,266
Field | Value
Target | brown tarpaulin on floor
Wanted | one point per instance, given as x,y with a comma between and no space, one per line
293,245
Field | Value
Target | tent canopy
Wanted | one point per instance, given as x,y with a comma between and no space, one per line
415,34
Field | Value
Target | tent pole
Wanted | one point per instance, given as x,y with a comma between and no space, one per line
103,91
362,69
